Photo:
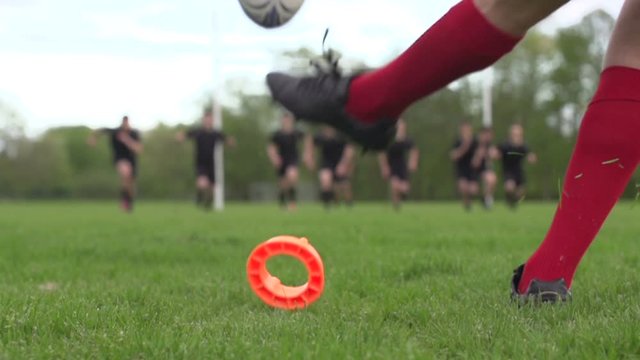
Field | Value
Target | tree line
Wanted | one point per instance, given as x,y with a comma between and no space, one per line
545,84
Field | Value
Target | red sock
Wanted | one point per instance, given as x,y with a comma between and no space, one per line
461,42
606,155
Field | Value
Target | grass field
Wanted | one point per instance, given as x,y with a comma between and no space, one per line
81,280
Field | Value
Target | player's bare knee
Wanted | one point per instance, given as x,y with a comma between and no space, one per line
490,178
462,187
125,170
292,175
326,180
202,183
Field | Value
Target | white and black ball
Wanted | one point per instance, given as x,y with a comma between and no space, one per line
271,13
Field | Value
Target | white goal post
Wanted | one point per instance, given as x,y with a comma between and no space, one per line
487,98
217,82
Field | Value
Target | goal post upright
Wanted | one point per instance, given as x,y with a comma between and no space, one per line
217,73
487,98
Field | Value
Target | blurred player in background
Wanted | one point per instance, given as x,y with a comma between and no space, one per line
396,164
126,146
513,153
336,165
205,138
284,155
483,162
463,153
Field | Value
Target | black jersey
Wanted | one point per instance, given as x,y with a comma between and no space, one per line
398,152
464,162
287,145
331,149
205,142
120,150
513,157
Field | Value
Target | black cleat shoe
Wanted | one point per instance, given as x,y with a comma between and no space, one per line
539,291
322,99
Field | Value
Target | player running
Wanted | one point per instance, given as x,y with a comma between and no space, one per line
473,35
126,146
283,154
336,165
464,150
397,163
483,162
205,138
513,153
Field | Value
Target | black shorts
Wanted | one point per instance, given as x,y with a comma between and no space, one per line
483,168
134,166
467,173
515,176
282,170
400,173
207,170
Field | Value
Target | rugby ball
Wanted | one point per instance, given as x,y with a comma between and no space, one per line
271,13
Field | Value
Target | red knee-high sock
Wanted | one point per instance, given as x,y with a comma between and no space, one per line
605,157
461,42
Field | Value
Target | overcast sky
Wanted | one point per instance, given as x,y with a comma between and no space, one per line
69,62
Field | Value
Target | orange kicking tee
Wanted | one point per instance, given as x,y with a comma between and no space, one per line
269,288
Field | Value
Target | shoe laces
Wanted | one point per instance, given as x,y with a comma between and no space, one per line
327,64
